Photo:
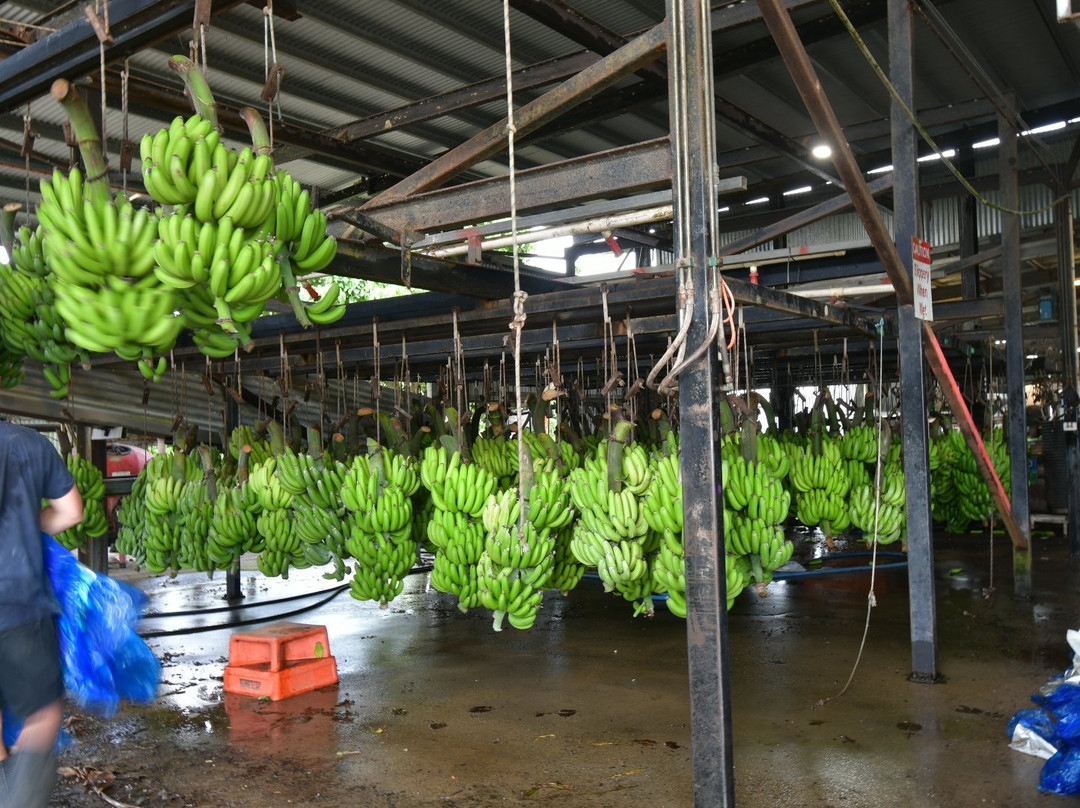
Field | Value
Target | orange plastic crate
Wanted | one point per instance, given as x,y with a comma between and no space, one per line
280,660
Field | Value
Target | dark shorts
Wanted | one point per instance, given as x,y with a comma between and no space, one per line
30,674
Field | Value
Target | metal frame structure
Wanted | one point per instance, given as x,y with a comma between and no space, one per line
417,203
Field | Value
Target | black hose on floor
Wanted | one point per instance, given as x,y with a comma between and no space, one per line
180,632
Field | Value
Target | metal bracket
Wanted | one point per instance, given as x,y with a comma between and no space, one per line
29,135
273,82
202,15
127,149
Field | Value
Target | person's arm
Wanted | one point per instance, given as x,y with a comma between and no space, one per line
62,513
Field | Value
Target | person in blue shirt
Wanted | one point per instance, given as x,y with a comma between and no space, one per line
31,677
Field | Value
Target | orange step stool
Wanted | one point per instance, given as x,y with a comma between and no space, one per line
279,660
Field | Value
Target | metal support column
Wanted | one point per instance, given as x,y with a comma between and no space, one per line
1014,350
1070,364
97,549
231,419
969,228
921,597
783,397
693,189
802,72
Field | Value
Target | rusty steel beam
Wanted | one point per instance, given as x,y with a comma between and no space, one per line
805,77
586,31
372,261
527,78
463,98
642,167
74,50
571,92
365,157
754,294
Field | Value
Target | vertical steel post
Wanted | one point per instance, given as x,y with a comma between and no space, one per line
921,596
1008,169
231,417
1070,364
693,190
969,228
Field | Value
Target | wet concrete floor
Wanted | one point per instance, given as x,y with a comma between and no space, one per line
591,707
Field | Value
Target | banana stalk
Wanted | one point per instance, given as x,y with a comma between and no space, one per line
621,429
260,137
7,227
292,289
202,99
96,187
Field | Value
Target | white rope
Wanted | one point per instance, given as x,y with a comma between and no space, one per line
269,60
518,322
871,599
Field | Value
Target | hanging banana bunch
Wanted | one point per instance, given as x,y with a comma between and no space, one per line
822,485
498,456
459,493
99,252
612,532
377,491
514,568
302,246
91,485
195,512
29,322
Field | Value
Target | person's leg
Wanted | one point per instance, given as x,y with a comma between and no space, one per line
32,685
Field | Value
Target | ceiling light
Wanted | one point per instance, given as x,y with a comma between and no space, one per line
880,170
1038,130
724,209
757,201
935,156
803,190
1032,356
986,144
822,151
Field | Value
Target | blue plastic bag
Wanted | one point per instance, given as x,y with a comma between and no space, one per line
1064,704
1061,773
104,659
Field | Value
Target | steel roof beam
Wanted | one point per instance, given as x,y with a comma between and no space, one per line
534,114
372,261
74,50
641,167
585,31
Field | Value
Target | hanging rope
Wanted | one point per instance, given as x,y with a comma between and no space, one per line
28,148
272,70
517,324
376,399
871,598
103,37
125,148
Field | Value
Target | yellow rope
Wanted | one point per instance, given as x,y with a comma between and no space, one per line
922,130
